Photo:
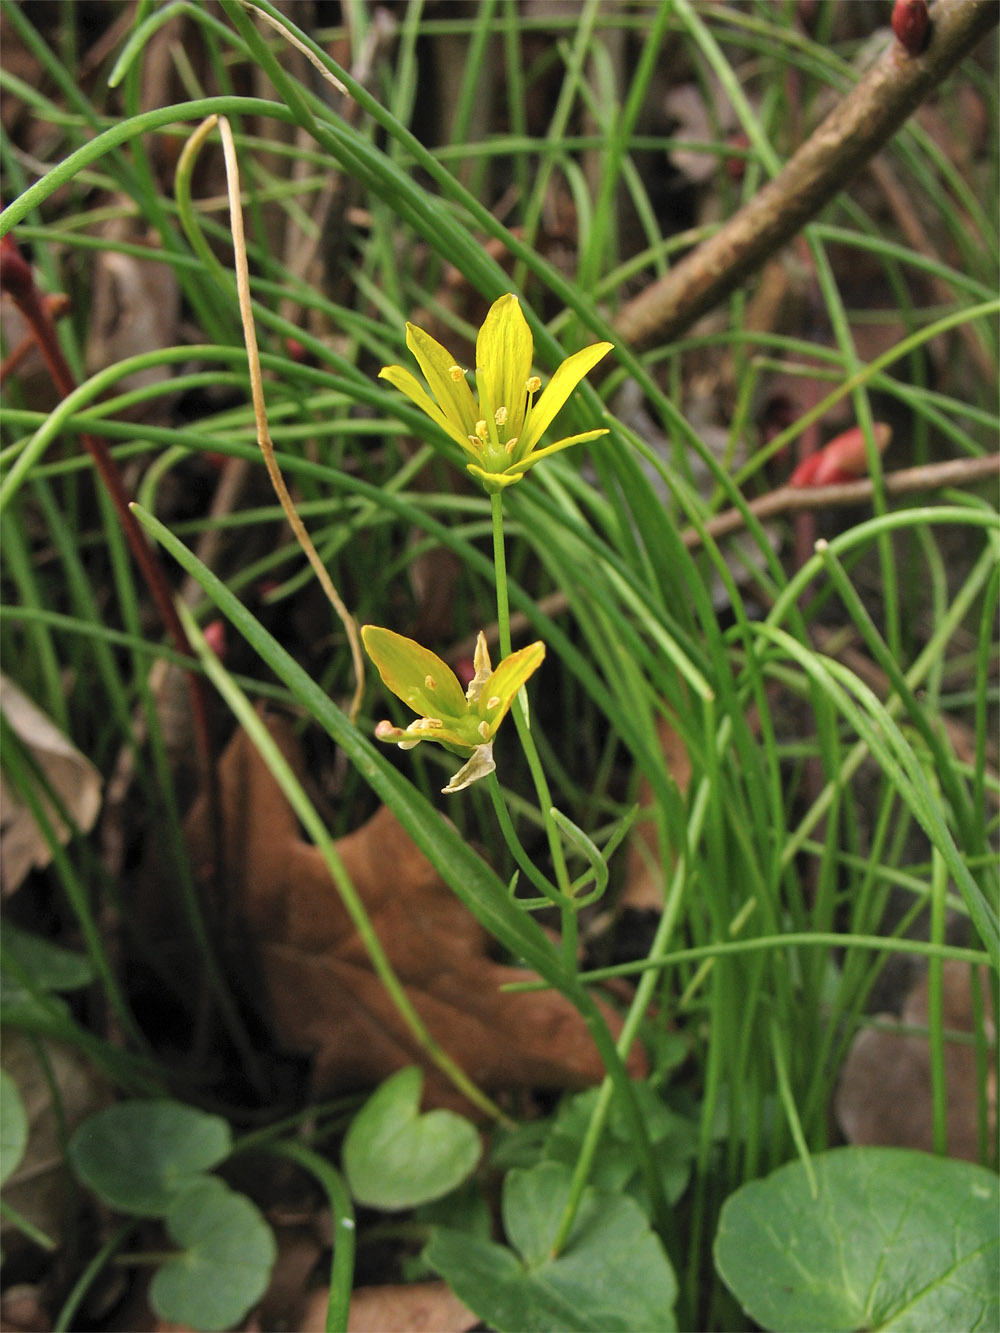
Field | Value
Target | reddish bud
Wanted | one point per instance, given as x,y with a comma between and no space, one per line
736,166
296,351
843,459
57,304
911,24
215,637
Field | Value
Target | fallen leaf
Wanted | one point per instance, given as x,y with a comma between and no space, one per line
135,308
884,1095
75,780
59,1090
320,994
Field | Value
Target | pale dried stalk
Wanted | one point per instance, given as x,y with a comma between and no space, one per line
260,416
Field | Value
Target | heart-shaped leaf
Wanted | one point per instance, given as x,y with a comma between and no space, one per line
13,1126
228,1254
49,966
139,1155
612,1276
895,1240
394,1157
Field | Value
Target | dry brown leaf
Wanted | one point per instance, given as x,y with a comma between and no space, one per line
74,779
135,308
321,996
422,1307
59,1090
884,1095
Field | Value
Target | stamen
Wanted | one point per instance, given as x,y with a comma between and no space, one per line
456,373
493,701
425,724
509,446
500,416
484,729
482,430
430,682
533,384
475,441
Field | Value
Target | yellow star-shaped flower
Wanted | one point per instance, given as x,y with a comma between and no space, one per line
501,429
463,721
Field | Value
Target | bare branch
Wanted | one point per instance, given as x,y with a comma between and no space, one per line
851,135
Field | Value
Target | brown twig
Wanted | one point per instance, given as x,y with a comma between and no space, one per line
785,500
849,137
792,499
18,281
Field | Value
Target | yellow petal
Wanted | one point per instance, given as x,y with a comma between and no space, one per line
417,676
415,391
558,389
454,396
493,481
502,687
521,467
504,350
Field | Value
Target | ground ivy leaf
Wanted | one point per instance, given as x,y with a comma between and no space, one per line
394,1157
49,966
612,1276
13,1126
225,1267
139,1155
895,1240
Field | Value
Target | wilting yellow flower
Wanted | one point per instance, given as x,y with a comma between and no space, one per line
463,721
500,430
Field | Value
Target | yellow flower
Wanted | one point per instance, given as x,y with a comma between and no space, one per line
463,721
500,430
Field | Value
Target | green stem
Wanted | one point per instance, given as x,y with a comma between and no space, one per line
342,1269
524,861
521,721
617,1080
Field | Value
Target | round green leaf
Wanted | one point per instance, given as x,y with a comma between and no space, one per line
895,1240
394,1157
228,1254
139,1155
611,1277
13,1126
49,966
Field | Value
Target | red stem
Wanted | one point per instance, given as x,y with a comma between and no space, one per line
18,281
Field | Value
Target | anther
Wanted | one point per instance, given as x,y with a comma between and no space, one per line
482,431
456,373
500,416
533,384
430,682
509,446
